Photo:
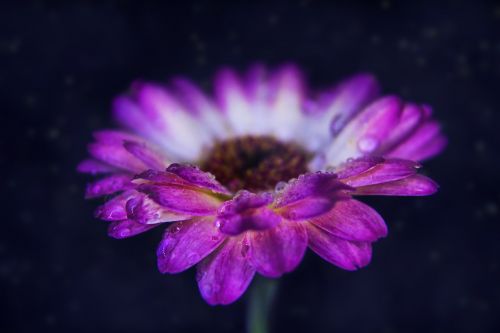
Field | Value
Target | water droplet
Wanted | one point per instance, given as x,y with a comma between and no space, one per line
367,144
193,258
336,125
124,232
175,229
244,249
280,186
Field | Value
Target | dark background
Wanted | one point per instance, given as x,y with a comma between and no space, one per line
62,63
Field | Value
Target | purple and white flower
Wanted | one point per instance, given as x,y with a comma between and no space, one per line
246,181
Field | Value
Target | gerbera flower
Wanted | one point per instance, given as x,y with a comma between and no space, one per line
245,182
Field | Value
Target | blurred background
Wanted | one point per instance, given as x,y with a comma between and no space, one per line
62,62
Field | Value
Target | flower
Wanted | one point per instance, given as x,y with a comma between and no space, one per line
247,181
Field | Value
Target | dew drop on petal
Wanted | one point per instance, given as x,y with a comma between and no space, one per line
367,144
280,186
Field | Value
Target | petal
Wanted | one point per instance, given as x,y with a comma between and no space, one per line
247,211
114,209
233,102
285,105
127,228
149,157
352,220
94,167
338,106
115,137
116,155
366,132
310,195
374,170
416,185
225,275
197,177
197,101
143,210
108,185
186,243
424,143
279,250
345,254
182,199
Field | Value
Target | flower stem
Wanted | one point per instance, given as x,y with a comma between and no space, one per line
260,304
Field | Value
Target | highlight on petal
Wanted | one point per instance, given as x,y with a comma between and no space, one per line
352,220
127,228
279,250
247,211
116,155
197,177
310,195
225,274
185,243
108,185
345,254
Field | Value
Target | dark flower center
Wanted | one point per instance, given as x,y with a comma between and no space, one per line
255,162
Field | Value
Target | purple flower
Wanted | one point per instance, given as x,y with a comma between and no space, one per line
251,178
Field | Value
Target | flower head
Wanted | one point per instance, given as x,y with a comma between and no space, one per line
245,182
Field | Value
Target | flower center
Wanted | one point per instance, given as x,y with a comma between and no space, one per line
255,162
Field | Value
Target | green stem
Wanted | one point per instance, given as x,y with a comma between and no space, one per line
260,303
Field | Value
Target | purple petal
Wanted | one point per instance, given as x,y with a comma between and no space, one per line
225,275
127,228
186,243
182,199
364,134
145,154
95,167
347,99
278,250
424,143
247,211
114,209
310,195
143,210
195,176
116,137
352,220
108,185
345,254
116,155
374,170
416,185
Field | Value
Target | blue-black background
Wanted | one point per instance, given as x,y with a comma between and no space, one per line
62,63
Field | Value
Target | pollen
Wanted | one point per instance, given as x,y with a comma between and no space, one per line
255,163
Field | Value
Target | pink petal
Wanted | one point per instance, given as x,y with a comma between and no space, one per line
186,243
345,254
352,220
279,250
247,211
310,195
225,275
127,228
108,185
416,185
